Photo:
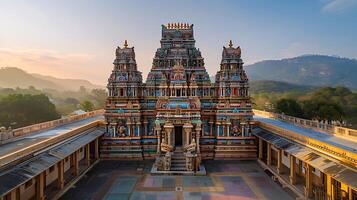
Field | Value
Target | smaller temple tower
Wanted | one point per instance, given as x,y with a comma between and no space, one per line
122,114
234,111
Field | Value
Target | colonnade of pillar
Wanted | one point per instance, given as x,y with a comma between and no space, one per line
133,128
296,168
40,179
225,126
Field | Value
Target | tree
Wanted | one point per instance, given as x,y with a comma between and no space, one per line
289,107
82,90
100,95
87,106
323,110
72,101
18,110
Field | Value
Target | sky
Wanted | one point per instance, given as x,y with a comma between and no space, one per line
77,39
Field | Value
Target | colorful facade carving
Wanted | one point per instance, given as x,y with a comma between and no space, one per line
178,107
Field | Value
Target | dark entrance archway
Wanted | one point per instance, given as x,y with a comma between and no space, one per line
178,136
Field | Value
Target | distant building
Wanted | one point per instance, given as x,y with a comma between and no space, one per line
78,112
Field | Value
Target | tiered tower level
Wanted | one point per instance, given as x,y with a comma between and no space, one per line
178,107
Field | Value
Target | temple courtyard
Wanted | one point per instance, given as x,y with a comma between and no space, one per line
132,180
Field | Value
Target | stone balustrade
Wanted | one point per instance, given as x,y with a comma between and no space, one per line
7,135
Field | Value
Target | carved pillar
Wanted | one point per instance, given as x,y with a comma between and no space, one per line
187,129
158,132
129,127
60,179
243,129
40,186
96,148
138,124
228,126
279,165
87,154
268,153
146,126
114,125
350,193
13,195
308,180
292,170
168,129
218,124
75,163
211,128
198,131
260,155
329,188
223,128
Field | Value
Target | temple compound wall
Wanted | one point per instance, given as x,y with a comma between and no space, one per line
178,107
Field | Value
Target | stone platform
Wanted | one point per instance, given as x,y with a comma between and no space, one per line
155,171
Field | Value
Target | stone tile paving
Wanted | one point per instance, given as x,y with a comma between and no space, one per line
225,180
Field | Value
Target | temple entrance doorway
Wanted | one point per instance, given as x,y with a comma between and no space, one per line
178,136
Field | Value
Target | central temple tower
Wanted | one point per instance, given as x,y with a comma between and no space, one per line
178,116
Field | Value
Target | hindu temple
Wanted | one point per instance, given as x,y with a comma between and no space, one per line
178,135
178,115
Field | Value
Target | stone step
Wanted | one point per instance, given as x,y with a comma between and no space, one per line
178,158
178,153
178,169
178,161
178,165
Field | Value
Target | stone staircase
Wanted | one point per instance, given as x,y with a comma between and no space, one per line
178,160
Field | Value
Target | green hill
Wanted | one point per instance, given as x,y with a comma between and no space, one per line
278,86
264,86
315,70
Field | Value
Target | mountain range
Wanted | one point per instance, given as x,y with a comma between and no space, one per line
12,77
314,70
302,73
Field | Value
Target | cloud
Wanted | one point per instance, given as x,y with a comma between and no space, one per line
48,62
338,6
44,56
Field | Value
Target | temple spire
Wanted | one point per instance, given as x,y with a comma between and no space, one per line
230,44
126,44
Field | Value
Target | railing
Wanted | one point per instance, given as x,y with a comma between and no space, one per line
7,135
310,124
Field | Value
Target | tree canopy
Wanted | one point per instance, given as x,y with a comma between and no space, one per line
18,110
289,107
327,103
87,106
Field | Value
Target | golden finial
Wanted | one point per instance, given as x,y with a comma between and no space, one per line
230,43
126,44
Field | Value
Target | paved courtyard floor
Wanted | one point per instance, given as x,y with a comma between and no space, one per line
132,180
